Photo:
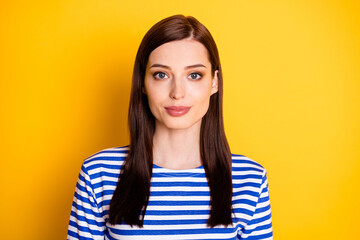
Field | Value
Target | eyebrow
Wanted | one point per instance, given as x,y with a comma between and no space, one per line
187,67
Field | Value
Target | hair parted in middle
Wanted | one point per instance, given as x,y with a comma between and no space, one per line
131,196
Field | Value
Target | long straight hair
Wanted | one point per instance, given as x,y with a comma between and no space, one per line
131,196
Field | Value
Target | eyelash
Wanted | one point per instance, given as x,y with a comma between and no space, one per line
199,74
155,75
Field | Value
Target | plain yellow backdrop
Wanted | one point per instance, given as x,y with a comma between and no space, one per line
291,84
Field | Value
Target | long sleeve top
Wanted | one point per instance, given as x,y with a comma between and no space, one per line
178,205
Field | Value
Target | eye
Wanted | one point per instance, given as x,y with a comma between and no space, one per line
195,76
160,75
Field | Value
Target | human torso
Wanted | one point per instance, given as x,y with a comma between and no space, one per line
179,200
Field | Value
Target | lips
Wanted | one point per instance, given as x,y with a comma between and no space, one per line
177,111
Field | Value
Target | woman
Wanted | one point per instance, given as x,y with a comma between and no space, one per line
177,179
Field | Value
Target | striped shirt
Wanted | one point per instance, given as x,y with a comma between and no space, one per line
178,205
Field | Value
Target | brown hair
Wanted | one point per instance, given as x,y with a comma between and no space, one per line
131,196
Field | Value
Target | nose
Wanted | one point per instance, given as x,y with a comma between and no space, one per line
177,90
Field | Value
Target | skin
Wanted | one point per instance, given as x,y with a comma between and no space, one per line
178,73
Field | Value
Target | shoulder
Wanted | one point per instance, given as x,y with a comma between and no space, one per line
109,159
246,168
250,195
243,161
249,180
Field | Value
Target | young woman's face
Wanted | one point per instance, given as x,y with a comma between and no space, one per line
179,83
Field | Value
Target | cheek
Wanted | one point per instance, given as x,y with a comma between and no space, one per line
153,94
150,94
154,101
201,94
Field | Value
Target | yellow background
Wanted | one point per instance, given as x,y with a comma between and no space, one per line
291,72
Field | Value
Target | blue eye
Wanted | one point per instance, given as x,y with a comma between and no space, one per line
195,76
160,75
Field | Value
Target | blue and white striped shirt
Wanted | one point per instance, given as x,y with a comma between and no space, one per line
178,204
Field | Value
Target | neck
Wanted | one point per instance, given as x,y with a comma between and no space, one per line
177,148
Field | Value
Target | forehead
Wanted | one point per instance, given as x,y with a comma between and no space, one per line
180,53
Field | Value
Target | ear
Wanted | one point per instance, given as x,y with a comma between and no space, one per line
215,83
143,90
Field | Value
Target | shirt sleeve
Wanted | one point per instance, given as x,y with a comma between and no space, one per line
260,225
86,220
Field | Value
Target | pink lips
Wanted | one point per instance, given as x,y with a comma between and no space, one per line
177,111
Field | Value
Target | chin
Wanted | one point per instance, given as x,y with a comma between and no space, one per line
178,126
181,124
